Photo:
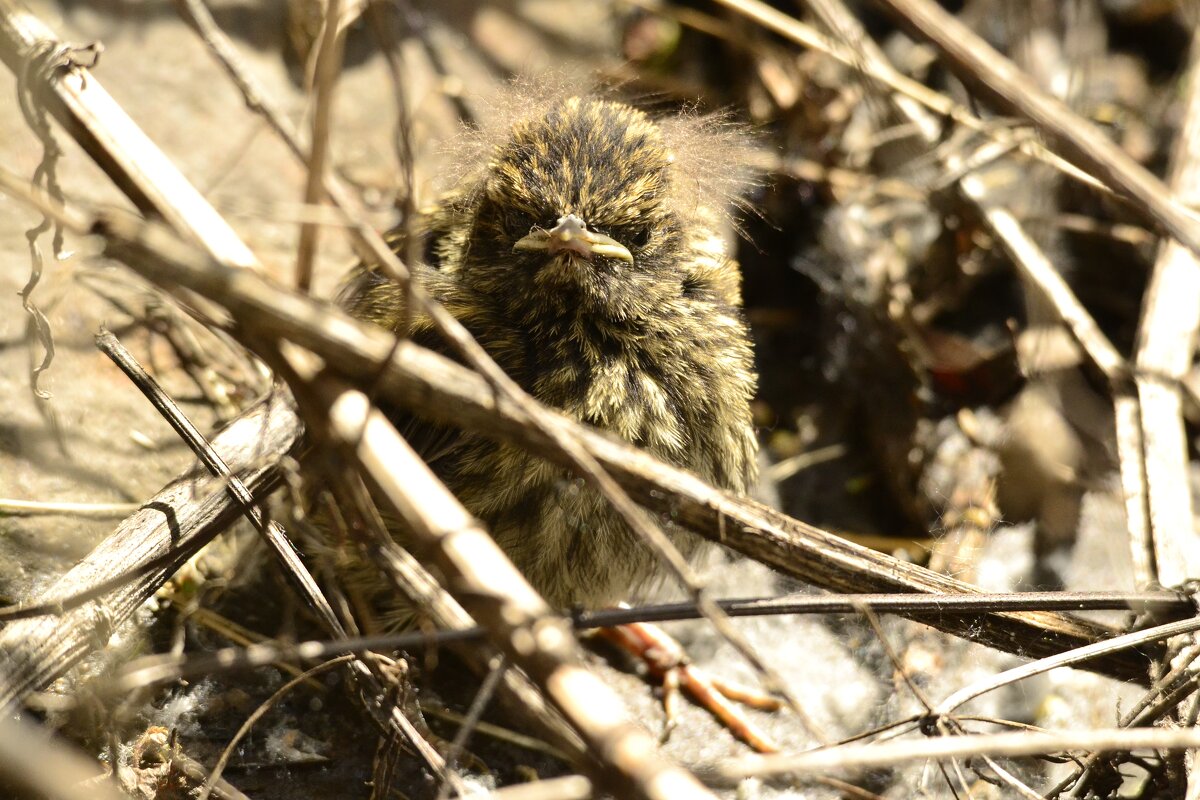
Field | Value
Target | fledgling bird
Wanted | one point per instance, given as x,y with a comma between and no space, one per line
584,257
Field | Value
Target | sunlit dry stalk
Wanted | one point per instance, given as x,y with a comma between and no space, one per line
329,64
1025,743
31,760
489,587
1165,348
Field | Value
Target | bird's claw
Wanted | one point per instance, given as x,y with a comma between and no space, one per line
667,661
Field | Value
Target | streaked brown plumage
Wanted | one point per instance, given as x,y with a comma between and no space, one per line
584,258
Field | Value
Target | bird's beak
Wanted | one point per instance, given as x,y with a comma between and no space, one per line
572,236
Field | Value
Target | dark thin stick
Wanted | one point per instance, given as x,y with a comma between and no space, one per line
1167,604
154,669
272,531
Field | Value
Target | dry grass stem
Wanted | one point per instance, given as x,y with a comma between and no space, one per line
33,761
998,80
328,65
1165,348
135,164
1070,658
492,591
93,510
1025,743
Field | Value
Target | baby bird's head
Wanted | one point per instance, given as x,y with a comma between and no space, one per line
575,210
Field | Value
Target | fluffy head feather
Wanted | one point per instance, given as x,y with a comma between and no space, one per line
709,153
658,190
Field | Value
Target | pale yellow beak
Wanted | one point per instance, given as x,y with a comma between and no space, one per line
571,235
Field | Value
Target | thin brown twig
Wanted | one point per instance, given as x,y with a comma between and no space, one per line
231,631
328,65
894,657
257,714
479,704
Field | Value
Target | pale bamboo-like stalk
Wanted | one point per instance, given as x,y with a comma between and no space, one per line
1165,346
490,588
134,163
32,760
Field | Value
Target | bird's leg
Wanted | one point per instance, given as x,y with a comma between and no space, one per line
668,662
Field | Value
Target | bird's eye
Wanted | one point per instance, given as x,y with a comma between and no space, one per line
635,236
519,223
638,237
